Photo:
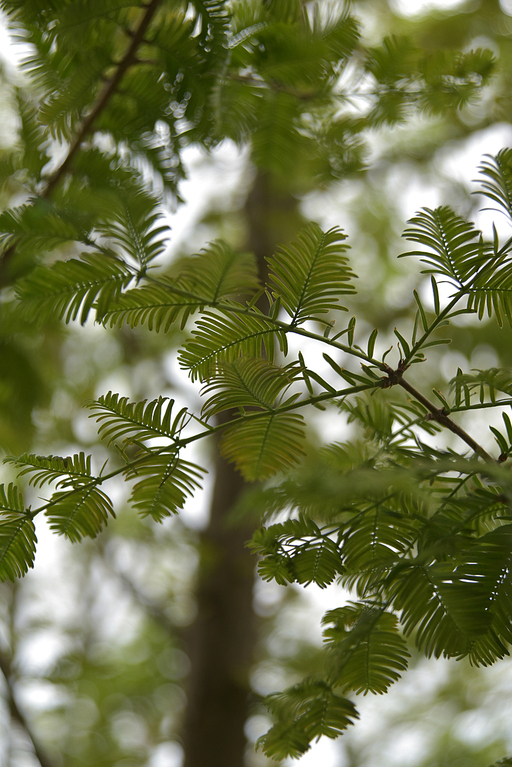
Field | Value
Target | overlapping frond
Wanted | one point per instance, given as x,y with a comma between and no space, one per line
377,537
227,336
263,446
71,289
164,483
454,246
220,273
310,275
157,305
217,274
366,651
127,421
78,508
245,384
17,535
429,601
497,183
263,440
305,712
81,513
485,594
297,550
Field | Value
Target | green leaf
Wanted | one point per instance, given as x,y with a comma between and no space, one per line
366,651
371,342
158,306
304,713
311,274
430,602
497,184
80,513
491,289
248,383
17,535
454,246
166,481
258,443
137,421
69,472
216,275
220,273
225,337
131,223
69,289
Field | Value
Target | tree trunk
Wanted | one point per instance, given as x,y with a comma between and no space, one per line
222,640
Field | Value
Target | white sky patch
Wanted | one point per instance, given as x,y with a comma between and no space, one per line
417,7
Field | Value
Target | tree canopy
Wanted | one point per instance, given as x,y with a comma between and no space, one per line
411,508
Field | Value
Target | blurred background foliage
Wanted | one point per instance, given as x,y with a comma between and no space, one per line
91,641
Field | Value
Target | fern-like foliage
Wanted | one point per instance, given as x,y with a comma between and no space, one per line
420,533
78,508
367,653
310,275
297,550
120,419
304,713
81,513
71,289
220,338
214,276
166,481
264,440
497,179
455,244
17,535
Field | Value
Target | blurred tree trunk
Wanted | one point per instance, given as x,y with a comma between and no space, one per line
222,640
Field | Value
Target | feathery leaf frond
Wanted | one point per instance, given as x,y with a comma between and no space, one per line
247,384
70,289
263,446
82,513
497,183
17,535
217,274
457,249
70,472
297,550
310,275
226,337
366,651
166,482
137,421
304,712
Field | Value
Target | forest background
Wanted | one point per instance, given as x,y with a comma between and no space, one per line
101,640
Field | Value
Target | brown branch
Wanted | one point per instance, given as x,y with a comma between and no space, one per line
110,87
442,418
5,668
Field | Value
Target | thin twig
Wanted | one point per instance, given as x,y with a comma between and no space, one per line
109,89
103,99
5,667
443,418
